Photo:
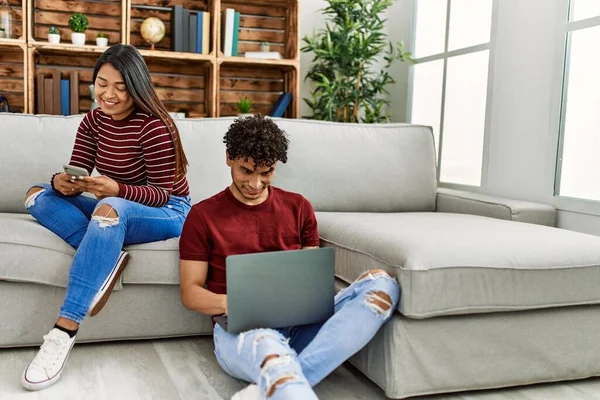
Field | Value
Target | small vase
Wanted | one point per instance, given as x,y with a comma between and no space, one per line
93,96
7,19
102,42
78,38
265,47
54,38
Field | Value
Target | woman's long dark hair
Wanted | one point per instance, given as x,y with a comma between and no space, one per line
130,63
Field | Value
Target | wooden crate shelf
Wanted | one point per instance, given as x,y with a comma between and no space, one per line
105,16
275,22
262,86
13,75
198,84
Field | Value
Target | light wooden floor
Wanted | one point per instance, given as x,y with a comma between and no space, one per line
187,369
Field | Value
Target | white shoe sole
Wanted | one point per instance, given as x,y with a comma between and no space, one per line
106,289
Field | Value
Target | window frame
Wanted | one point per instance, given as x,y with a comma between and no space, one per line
569,203
445,55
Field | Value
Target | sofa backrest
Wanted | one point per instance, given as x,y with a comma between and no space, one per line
338,167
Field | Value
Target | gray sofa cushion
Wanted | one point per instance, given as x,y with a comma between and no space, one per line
338,167
31,253
464,264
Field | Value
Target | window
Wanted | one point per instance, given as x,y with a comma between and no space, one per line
449,82
578,164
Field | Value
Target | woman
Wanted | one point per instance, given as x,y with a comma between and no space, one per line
141,196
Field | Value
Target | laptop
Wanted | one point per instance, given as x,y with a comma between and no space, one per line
278,289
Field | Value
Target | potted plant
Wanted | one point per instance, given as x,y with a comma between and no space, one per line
78,23
349,83
102,40
265,46
53,35
244,106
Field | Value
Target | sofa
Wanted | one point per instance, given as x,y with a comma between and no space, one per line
493,294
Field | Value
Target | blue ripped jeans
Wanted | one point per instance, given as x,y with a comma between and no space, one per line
98,241
308,353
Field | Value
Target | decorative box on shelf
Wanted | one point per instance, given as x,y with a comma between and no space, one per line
264,55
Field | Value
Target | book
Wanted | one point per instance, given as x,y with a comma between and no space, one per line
185,29
39,83
199,31
193,33
280,105
74,93
177,28
65,97
227,36
206,33
48,108
236,34
264,55
56,77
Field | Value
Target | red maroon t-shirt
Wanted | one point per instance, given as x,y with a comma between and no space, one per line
222,225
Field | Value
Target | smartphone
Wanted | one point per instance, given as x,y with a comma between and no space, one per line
75,171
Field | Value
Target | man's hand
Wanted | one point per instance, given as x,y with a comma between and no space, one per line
224,303
100,186
66,185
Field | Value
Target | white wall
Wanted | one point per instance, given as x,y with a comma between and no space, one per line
311,20
527,59
400,20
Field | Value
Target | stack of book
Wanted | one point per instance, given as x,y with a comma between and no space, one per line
57,96
231,32
190,30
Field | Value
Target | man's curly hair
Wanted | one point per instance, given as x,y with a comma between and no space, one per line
258,138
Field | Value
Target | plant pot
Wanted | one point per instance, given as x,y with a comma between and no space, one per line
265,48
245,115
78,38
54,38
2,35
102,42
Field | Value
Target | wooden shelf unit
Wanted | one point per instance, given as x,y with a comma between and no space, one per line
201,85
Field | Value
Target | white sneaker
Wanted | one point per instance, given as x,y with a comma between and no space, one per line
106,289
250,392
49,362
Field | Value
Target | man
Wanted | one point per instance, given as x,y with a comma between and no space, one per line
252,216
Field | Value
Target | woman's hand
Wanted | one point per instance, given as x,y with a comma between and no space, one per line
66,185
100,186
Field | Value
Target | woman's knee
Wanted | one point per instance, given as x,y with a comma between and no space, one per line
107,211
33,193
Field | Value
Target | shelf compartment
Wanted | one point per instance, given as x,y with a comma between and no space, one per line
183,85
46,61
105,16
262,86
142,9
12,77
275,22
19,31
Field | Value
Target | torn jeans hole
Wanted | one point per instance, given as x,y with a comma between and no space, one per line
30,201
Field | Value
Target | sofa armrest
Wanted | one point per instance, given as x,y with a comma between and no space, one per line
463,202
